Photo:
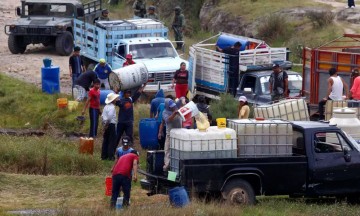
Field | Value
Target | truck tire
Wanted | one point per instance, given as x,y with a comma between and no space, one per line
239,192
15,44
64,44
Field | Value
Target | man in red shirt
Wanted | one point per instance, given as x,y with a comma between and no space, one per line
129,60
355,89
94,109
121,176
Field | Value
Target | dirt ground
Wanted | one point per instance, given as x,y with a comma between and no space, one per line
27,66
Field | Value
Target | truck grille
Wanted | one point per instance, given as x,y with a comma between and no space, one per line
163,76
34,30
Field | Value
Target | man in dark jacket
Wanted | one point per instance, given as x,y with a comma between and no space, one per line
159,98
83,83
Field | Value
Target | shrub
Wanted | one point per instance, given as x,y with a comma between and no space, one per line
274,27
320,19
226,107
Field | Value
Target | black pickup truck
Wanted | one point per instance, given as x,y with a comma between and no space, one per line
325,162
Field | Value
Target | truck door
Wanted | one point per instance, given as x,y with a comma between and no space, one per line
248,81
119,57
331,173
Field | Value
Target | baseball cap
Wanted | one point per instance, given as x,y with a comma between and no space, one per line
172,104
102,60
275,65
125,140
242,98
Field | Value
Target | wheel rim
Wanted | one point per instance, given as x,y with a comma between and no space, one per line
239,196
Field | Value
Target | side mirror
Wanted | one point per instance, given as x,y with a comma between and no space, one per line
18,11
80,12
347,155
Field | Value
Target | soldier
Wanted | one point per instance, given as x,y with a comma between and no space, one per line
151,13
178,26
139,7
104,15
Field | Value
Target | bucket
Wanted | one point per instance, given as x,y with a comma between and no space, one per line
62,102
50,79
47,62
221,122
178,197
129,77
108,186
72,105
103,95
188,111
86,145
148,131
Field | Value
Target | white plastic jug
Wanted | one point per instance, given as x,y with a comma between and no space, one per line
188,111
119,202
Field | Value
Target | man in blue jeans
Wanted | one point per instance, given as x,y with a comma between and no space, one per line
123,171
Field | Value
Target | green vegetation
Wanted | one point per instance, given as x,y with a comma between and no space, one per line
226,107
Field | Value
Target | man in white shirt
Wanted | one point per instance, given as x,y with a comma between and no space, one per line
109,121
336,86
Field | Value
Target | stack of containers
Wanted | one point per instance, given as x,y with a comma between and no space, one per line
263,138
193,144
292,110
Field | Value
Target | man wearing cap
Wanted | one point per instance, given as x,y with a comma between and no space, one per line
139,7
76,65
178,26
109,123
171,119
151,13
233,72
355,89
129,60
278,83
244,109
126,113
104,15
123,171
103,70
125,148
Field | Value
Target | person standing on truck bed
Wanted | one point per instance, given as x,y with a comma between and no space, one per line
181,80
103,70
76,65
139,7
233,52
126,113
355,89
178,26
123,171
171,119
129,60
83,83
104,15
94,109
278,83
151,13
335,90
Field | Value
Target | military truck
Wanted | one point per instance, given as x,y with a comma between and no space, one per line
49,22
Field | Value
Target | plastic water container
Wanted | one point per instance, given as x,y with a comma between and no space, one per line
148,131
108,186
47,62
178,197
50,79
226,40
221,122
62,102
103,95
86,145
129,77
188,111
119,202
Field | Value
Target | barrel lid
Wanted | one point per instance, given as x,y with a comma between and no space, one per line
344,110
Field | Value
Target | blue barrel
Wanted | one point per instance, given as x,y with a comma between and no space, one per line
228,40
47,62
178,197
50,79
103,95
148,132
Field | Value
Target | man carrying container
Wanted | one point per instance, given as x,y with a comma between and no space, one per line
103,69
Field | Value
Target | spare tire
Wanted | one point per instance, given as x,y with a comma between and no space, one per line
64,44
15,44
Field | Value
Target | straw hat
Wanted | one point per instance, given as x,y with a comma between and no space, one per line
111,97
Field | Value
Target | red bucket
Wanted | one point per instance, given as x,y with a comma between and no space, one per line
108,186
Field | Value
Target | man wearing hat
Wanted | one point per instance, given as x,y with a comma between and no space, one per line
278,83
355,89
178,26
129,60
244,109
103,69
171,119
104,15
126,113
76,65
109,123
123,171
151,13
125,148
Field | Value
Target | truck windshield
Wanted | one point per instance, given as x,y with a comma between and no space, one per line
152,50
43,9
295,83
